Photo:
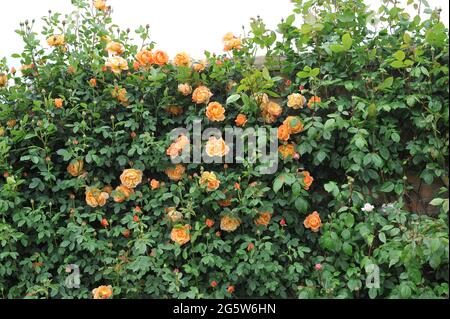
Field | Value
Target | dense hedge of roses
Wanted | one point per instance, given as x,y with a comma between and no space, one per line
88,178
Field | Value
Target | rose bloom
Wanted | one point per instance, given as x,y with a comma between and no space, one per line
283,132
104,222
121,95
56,40
122,193
131,177
75,168
263,219
154,184
144,58
201,95
209,222
229,223
307,179
215,112
368,208
261,98
214,284
3,79
93,82
176,173
294,124
58,103
313,100
174,215
117,64
180,234
102,292
100,5
210,180
216,147
185,89
160,58
274,109
11,123
296,101
230,289
182,59
313,222
96,198
200,66
115,48
240,120
231,42
286,150
108,189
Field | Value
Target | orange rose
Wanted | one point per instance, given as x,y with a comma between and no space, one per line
177,147
154,184
102,292
176,173
241,120
122,193
200,66
307,179
229,223
201,95
182,59
115,48
215,112
59,103
174,110
100,5
313,221
3,79
93,82
75,168
95,198
274,109
216,147
121,95
294,124
314,100
261,98
231,42
209,222
286,150
185,89
296,101
263,219
108,189
56,40
210,180
11,123
117,64
145,58
173,215
160,58
131,177
180,234
283,132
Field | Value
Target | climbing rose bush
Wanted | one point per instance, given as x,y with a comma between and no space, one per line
93,206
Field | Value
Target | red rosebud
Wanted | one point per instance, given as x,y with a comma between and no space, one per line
230,289
318,266
137,209
301,87
104,222
250,246
283,222
288,82
209,223
214,284
126,233
136,218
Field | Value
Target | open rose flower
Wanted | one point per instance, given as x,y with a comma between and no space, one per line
180,234
160,58
216,147
201,95
56,40
154,184
182,59
75,168
210,180
131,177
174,110
263,219
115,48
144,58
121,95
96,198
122,193
294,124
231,42
307,180
173,215
286,150
283,132
240,120
215,112
102,292
176,173
313,221
199,66
100,5
312,101
185,89
3,79
296,101
229,223
117,64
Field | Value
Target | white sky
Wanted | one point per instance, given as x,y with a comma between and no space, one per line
175,25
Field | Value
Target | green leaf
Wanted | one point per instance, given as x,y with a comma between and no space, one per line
387,187
233,98
387,83
347,41
399,55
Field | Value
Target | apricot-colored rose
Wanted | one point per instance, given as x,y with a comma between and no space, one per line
75,168
307,179
176,173
108,189
274,109
314,100
174,110
210,180
122,193
263,219
294,124
121,95
201,95
11,123
96,198
131,177
115,48
182,59
228,36
215,112
200,66
100,5
286,150
3,79
117,64
216,147
283,132
93,82
173,215
231,42
296,101
240,120
261,98
56,40
229,223
144,58
154,184
102,292
185,89
160,58
59,103
180,234
313,221
176,148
